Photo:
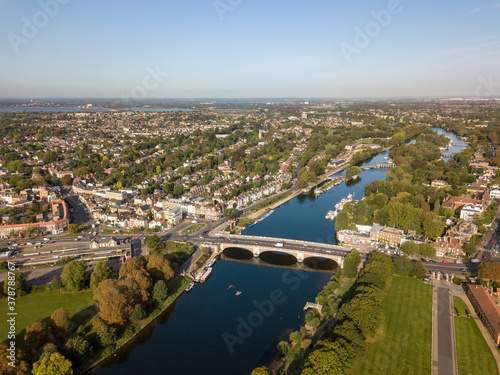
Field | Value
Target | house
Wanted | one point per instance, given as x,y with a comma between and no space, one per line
143,210
495,193
455,238
157,223
439,183
387,234
468,211
486,308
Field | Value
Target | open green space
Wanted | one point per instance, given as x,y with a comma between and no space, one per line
459,306
474,356
41,305
403,344
193,228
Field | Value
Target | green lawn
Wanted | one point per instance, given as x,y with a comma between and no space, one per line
459,306
403,343
193,228
41,305
473,353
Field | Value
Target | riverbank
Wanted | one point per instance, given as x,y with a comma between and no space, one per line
255,215
177,285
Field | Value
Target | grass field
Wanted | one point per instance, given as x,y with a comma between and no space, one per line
41,305
473,353
459,306
403,343
193,228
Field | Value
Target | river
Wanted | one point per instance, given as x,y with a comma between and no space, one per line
199,333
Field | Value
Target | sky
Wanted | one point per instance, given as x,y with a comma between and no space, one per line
249,48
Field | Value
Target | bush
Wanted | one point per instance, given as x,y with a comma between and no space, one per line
457,281
77,348
283,348
107,335
160,291
56,283
138,314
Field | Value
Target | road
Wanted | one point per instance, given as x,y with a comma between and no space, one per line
443,318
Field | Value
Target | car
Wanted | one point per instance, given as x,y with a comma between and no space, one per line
445,261
226,239
23,244
304,244
492,241
484,256
463,270
255,243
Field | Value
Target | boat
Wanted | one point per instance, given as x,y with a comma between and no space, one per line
238,293
212,262
331,215
206,275
230,286
197,279
189,287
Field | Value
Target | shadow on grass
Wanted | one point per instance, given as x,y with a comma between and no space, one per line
84,316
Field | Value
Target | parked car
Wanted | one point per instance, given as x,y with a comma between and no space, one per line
445,261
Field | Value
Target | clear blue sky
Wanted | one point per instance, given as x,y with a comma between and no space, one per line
259,48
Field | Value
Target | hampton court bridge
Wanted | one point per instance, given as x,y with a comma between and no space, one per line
301,250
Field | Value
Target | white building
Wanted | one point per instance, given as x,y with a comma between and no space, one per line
470,210
495,193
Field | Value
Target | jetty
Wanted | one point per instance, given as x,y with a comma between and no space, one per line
311,305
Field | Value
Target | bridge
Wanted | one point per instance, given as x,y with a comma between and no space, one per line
380,166
301,250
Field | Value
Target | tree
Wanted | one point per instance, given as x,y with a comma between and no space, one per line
19,282
261,371
230,213
159,268
353,171
73,276
102,271
140,284
61,323
489,271
328,358
114,301
351,263
178,191
73,228
21,367
342,221
52,364
66,180
107,335
432,225
56,283
155,244
77,348
283,348
403,266
138,314
160,291
36,336
419,271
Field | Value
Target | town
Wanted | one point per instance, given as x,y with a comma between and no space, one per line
95,185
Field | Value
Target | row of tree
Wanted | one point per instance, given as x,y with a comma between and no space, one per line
356,320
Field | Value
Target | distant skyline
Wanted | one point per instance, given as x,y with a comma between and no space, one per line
249,49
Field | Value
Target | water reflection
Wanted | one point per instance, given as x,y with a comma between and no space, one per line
279,260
